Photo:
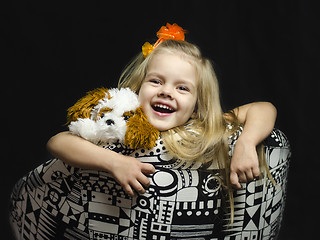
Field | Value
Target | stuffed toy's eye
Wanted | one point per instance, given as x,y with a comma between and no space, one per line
104,111
127,115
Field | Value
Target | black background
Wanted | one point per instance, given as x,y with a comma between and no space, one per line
53,52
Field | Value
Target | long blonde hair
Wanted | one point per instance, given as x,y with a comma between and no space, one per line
203,137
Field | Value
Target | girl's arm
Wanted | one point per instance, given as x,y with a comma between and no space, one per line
78,152
259,119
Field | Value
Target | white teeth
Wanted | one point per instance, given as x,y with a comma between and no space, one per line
163,106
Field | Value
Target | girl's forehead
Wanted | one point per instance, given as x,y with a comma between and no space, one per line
172,64
172,56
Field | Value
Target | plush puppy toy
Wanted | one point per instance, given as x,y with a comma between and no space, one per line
110,116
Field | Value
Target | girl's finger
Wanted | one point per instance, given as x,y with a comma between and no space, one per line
138,187
128,190
144,180
249,175
242,177
256,172
147,168
235,180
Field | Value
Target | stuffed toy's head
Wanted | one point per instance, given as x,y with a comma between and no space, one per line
109,116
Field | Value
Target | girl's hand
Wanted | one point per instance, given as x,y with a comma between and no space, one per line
130,173
78,152
258,119
244,163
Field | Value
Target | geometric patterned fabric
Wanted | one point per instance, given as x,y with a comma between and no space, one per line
183,201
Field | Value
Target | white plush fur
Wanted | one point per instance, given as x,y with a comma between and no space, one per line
96,129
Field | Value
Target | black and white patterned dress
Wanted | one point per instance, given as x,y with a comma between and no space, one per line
184,200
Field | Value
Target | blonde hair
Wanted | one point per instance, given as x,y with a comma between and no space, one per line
203,137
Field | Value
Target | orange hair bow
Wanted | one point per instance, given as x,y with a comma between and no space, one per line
169,31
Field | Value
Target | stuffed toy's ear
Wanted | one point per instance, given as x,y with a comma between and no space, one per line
82,108
140,133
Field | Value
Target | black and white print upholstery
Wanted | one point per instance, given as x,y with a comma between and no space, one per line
184,200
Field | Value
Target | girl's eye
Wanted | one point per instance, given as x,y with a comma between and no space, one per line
183,88
155,81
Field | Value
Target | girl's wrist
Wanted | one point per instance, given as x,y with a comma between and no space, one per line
247,140
107,160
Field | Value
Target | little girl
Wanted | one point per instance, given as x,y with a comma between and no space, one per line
179,93
185,198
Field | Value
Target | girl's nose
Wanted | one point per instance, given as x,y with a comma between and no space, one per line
165,92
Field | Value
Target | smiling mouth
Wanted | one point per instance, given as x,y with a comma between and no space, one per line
162,108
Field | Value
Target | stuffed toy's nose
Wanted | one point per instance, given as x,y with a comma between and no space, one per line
109,122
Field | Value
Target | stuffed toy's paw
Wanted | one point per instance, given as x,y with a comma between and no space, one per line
85,128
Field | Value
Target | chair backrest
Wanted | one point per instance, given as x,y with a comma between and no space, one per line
259,205
184,200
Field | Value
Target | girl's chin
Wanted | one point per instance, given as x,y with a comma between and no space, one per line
161,126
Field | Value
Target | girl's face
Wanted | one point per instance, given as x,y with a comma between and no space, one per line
168,93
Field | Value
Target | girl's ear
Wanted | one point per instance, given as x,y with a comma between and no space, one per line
82,108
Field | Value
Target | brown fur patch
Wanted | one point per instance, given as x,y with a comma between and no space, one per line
105,110
140,133
82,108
128,115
